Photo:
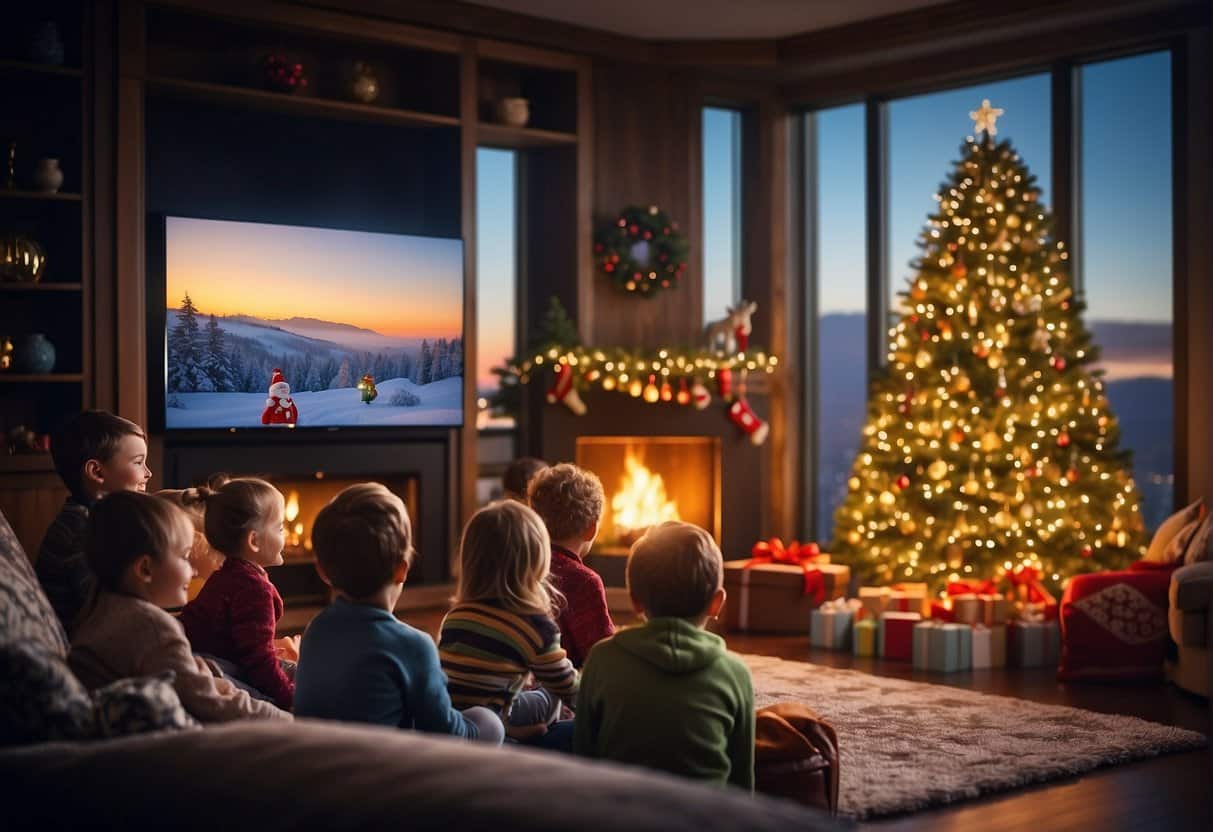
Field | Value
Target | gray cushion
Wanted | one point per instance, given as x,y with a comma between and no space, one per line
135,706
273,776
40,698
25,613
1189,628
1192,586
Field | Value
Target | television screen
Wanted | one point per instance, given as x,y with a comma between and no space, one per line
277,326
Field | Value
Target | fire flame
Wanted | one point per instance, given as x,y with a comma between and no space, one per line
292,506
641,500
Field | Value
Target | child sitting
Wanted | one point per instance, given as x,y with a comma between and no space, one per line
138,548
203,556
500,630
235,616
95,453
666,694
357,662
570,501
518,475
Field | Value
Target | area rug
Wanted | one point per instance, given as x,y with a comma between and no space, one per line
907,746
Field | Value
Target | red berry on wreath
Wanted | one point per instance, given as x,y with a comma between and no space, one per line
632,229
609,267
598,248
648,235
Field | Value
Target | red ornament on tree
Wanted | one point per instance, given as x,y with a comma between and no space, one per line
1063,440
903,482
1058,363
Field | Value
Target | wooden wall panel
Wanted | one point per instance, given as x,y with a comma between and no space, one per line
30,507
646,135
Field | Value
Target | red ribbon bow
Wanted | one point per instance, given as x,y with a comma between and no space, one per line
773,551
1026,581
986,587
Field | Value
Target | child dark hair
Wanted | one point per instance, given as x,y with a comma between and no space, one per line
674,570
94,434
234,509
361,537
518,476
127,525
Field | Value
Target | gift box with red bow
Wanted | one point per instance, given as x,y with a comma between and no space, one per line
778,587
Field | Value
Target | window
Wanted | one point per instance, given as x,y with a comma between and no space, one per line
1125,257
496,299
721,211
836,220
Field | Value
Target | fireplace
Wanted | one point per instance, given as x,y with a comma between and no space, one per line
305,496
648,480
309,473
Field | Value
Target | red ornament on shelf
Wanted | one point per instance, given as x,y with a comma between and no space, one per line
280,75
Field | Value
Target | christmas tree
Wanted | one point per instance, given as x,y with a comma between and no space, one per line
989,444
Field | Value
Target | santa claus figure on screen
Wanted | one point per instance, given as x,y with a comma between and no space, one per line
279,407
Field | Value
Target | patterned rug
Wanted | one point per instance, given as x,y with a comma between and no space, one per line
907,746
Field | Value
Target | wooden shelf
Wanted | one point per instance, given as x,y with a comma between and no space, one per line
41,287
41,69
11,463
40,378
17,193
301,105
521,138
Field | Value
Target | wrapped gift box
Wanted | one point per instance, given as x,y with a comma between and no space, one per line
943,647
873,600
1033,643
897,634
996,609
989,646
897,598
863,634
830,624
771,597
967,608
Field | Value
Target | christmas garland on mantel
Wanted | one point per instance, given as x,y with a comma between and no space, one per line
667,375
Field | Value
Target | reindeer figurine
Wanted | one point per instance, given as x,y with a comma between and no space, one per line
732,333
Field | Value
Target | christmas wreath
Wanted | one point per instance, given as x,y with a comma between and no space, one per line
641,250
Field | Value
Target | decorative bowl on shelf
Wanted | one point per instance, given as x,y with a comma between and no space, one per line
22,259
515,112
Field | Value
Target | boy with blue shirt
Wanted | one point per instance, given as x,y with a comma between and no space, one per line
357,661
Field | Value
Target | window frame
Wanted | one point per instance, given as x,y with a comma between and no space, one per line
737,185
1065,199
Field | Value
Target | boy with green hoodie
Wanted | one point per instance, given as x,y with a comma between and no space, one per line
666,694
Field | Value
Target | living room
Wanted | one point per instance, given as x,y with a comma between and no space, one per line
900,302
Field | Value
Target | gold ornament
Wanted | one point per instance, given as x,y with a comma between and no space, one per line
907,526
923,359
937,470
990,441
853,483
887,498
853,537
963,383
1002,520
971,487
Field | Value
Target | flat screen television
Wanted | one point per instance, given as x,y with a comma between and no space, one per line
273,326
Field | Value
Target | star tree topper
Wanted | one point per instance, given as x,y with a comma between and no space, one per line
984,118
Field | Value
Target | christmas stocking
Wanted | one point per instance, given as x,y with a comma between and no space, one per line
564,392
742,415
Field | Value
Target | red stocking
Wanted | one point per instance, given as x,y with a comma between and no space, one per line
742,415
564,392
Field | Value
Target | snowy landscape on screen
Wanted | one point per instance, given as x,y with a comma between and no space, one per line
218,371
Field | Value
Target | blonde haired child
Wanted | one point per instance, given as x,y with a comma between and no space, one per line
358,662
500,630
137,547
203,557
235,616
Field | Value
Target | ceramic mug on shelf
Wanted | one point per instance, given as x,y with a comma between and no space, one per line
515,112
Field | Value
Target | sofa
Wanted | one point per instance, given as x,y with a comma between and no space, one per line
311,774
1191,626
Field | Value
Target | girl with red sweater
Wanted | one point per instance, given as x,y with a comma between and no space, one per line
236,614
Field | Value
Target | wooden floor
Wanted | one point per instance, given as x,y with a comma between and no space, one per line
1168,794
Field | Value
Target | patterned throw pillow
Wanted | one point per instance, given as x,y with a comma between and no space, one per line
1198,547
133,706
1169,529
40,698
1177,549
